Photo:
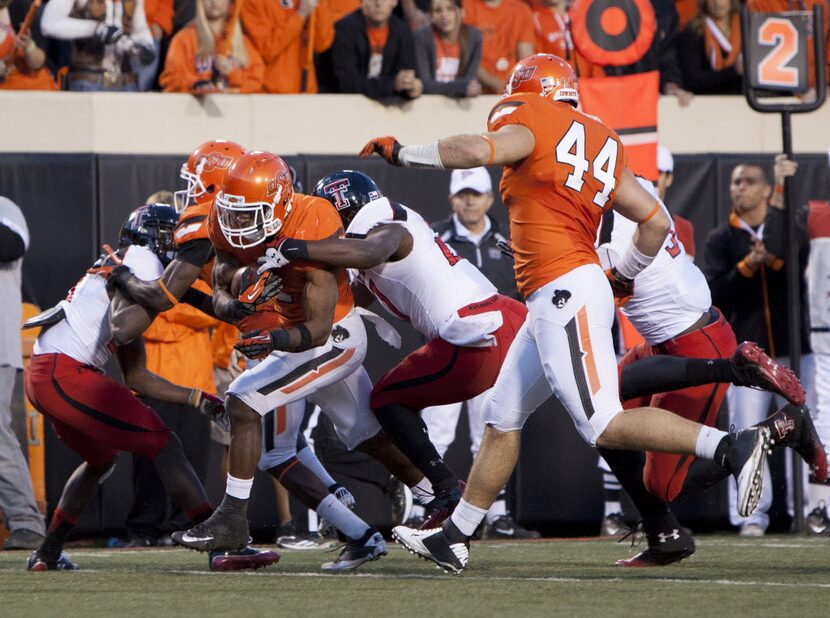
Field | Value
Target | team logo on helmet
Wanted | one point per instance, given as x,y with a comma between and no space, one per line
522,74
560,298
273,187
337,190
215,160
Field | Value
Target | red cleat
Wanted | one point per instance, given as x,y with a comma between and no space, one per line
248,558
793,426
442,506
752,367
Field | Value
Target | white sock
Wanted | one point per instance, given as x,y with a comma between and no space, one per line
707,442
239,488
347,522
467,517
497,509
423,491
417,511
310,461
612,508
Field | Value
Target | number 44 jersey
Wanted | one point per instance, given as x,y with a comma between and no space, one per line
556,195
431,284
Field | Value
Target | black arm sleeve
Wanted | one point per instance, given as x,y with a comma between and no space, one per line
203,302
196,252
12,246
775,230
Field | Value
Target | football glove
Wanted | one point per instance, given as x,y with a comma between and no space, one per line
623,288
505,248
273,259
255,344
108,34
211,406
387,147
263,290
238,310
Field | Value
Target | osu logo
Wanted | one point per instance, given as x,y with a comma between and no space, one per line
337,190
520,75
274,186
215,160
339,334
560,297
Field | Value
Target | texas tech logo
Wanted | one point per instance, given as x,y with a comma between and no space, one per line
337,190
560,298
339,334
520,75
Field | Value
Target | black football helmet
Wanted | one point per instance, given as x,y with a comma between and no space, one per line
348,191
151,226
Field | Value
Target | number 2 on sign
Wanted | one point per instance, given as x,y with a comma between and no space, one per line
571,151
773,69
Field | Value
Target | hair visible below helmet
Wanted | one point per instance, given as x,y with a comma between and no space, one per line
348,191
151,226
203,171
546,75
255,199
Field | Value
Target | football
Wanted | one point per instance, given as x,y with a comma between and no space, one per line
243,278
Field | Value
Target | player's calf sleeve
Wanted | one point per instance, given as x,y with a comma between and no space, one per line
300,482
409,433
59,529
309,459
660,374
343,519
179,478
628,468
701,476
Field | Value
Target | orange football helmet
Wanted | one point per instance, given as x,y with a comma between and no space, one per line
255,198
546,75
203,171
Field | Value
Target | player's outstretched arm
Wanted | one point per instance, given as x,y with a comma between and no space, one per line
158,294
376,248
634,202
509,144
127,319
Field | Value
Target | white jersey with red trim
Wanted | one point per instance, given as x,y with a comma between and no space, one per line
818,275
431,284
85,333
671,293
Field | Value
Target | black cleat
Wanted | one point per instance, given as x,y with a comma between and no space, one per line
442,506
221,531
745,459
249,558
668,542
435,546
63,563
505,527
752,367
792,426
817,520
370,546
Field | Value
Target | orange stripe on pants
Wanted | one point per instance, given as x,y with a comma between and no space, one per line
320,371
585,342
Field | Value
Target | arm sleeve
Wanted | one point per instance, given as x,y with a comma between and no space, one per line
55,22
697,77
270,37
249,79
179,72
195,252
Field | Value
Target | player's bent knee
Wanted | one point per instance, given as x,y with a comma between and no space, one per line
239,412
598,431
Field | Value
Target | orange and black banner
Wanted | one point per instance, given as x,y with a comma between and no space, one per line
628,105
613,32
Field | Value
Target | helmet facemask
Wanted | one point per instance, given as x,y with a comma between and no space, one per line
195,187
247,224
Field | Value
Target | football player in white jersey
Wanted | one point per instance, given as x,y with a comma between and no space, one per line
96,416
672,309
395,254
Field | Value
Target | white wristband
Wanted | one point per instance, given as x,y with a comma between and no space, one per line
421,155
633,262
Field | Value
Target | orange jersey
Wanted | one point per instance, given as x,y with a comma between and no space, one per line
193,225
502,28
556,196
183,68
311,218
281,36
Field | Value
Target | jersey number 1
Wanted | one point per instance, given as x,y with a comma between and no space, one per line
571,151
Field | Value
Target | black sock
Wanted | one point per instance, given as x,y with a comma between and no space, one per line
52,546
660,374
701,476
409,433
628,468
709,371
454,535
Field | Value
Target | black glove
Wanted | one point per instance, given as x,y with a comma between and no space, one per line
146,55
108,34
117,279
505,248
239,310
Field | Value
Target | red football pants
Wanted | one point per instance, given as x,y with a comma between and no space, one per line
439,372
664,473
92,414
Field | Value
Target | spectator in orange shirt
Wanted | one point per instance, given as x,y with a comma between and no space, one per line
212,54
507,28
287,34
553,36
159,14
373,54
22,61
448,53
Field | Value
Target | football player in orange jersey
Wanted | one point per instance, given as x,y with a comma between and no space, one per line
310,343
562,170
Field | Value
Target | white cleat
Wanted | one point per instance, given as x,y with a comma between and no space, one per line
746,459
433,545
370,546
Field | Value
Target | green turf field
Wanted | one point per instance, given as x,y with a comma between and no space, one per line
773,576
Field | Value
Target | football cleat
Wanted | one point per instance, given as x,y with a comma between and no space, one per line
435,546
745,459
370,546
817,520
668,542
752,367
613,524
505,527
793,426
249,558
291,537
442,506
221,531
63,563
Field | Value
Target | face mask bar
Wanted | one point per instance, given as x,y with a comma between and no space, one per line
244,224
195,188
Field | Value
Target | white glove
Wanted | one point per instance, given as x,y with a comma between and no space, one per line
273,259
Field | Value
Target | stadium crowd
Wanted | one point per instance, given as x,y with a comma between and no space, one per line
380,48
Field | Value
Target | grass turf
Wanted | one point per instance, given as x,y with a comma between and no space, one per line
776,575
